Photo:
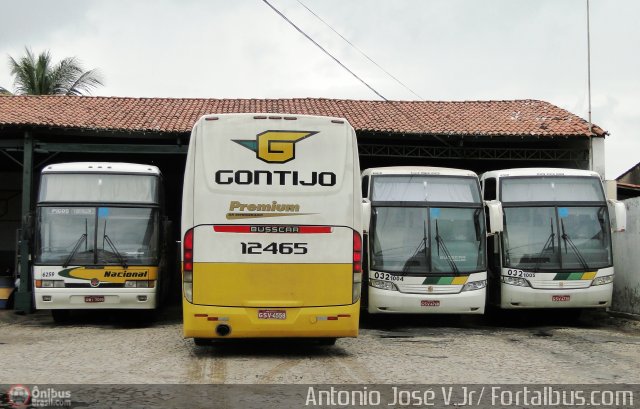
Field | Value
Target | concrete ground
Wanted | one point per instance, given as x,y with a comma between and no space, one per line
536,347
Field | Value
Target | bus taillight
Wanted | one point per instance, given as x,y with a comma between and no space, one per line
357,266
357,253
187,265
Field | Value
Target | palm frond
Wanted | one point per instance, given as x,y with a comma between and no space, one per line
85,83
37,76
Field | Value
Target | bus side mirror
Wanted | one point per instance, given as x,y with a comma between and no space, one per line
495,216
366,215
619,212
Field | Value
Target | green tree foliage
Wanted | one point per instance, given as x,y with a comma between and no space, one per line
40,76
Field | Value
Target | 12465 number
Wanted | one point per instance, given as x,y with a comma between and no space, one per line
253,247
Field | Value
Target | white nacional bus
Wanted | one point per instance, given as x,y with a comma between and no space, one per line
271,228
555,250
98,237
426,240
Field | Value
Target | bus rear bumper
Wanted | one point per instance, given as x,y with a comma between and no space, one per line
515,297
390,302
89,298
201,321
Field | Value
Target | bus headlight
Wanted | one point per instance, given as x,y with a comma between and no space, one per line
50,283
385,285
475,285
602,280
515,281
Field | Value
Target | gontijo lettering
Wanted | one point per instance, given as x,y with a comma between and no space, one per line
276,177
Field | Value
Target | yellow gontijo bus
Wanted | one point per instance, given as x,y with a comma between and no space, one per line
271,228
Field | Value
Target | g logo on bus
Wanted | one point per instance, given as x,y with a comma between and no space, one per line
430,289
275,146
94,282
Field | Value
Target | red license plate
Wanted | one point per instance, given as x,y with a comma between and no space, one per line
272,314
560,298
430,303
94,298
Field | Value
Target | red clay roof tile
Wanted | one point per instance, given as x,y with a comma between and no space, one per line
491,118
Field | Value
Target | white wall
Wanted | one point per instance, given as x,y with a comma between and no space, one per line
626,257
597,155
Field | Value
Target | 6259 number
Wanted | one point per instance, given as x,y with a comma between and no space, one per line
253,247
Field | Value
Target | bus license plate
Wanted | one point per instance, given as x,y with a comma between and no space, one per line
94,298
430,303
272,314
560,298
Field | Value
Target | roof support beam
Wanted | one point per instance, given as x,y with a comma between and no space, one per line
23,296
448,152
111,148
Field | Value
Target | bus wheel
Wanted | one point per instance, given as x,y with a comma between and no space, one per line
60,316
327,341
202,342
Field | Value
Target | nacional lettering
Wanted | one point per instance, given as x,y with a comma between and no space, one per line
275,177
126,274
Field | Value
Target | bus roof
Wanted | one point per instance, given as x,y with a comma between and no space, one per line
102,167
262,116
538,172
413,170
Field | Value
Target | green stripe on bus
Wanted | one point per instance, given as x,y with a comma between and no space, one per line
568,276
438,280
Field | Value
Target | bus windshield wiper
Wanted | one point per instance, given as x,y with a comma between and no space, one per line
422,246
548,245
75,249
445,250
106,238
575,249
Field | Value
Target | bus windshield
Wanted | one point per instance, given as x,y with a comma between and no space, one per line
551,189
425,240
97,236
99,188
421,188
557,238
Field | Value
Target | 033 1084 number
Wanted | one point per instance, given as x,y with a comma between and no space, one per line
253,247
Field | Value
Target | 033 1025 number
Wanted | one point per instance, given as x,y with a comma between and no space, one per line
253,247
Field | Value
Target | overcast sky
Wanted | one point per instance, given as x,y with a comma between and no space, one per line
441,49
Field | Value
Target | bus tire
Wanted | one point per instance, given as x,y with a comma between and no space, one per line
327,341
202,342
60,316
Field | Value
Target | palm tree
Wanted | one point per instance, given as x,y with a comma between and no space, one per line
39,76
